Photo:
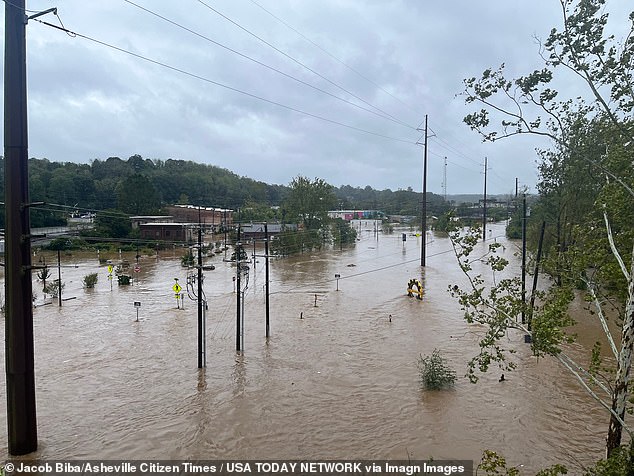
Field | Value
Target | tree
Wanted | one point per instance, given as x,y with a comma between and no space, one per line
137,195
342,233
112,224
310,201
258,212
528,105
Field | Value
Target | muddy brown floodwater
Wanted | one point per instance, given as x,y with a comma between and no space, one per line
341,383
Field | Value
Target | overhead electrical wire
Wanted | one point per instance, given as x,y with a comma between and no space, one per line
439,139
15,6
249,58
299,62
440,142
382,268
335,57
222,85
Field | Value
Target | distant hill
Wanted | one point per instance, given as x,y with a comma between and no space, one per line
475,198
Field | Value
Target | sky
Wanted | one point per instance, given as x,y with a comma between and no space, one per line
273,89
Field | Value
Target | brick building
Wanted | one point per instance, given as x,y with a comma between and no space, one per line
211,217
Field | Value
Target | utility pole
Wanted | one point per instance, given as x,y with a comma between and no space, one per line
225,227
253,248
266,258
524,260
516,186
536,275
20,361
484,209
59,277
424,212
238,251
201,351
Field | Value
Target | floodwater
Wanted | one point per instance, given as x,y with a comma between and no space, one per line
341,382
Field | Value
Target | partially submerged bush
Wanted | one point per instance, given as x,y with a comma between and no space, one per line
90,280
53,288
435,373
187,260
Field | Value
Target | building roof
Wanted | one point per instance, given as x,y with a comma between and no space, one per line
209,209
157,224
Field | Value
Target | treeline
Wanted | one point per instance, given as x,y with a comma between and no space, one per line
583,188
139,186
399,202
586,201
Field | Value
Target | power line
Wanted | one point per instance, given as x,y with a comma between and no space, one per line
225,86
15,6
335,57
445,145
300,63
362,273
316,88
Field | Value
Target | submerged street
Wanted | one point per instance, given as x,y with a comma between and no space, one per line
336,380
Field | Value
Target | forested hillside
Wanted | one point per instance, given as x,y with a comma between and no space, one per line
139,186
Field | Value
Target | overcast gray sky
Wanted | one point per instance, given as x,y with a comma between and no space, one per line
388,62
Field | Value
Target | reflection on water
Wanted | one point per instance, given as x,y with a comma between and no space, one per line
341,382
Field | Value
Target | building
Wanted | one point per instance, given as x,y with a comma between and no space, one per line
348,215
183,232
141,220
255,231
210,217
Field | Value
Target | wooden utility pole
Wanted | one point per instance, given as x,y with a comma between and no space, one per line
238,251
536,275
516,186
423,245
266,260
201,347
484,208
524,259
59,277
20,361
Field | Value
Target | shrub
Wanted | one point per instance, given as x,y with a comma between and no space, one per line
90,280
53,288
435,373
187,260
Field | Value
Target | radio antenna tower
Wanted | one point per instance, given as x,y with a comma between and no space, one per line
444,181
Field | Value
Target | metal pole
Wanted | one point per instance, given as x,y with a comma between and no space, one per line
200,294
524,261
225,227
266,254
535,276
20,361
239,291
424,219
516,186
484,209
59,278
242,321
